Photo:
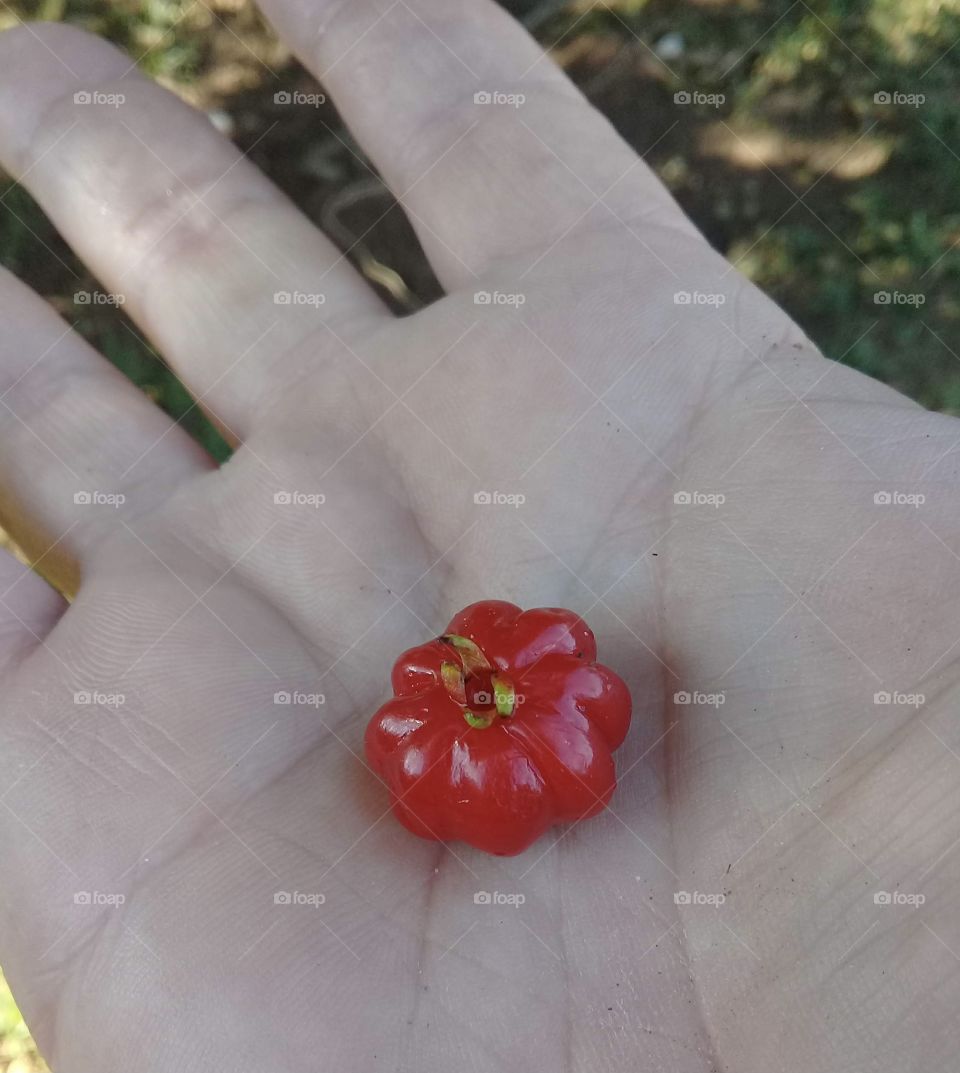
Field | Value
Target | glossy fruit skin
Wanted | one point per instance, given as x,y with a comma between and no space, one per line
500,786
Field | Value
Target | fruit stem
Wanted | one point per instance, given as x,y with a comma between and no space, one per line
472,661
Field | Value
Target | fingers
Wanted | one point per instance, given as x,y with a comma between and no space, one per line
29,609
169,214
81,446
491,149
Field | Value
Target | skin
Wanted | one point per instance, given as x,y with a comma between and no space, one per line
198,798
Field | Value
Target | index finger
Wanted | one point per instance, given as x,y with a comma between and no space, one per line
491,149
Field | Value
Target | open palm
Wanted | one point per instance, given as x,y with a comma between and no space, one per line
198,866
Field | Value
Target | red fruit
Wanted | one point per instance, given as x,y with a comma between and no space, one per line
501,728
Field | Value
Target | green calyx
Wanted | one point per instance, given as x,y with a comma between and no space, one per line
504,696
452,677
473,664
479,720
470,656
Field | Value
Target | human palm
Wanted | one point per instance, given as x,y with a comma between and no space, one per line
781,598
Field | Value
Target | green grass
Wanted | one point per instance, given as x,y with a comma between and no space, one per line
850,197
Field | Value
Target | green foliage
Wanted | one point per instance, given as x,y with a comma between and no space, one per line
884,218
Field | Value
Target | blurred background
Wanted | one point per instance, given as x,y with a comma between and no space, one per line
815,144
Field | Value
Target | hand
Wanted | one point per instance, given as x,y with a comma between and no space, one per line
184,799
